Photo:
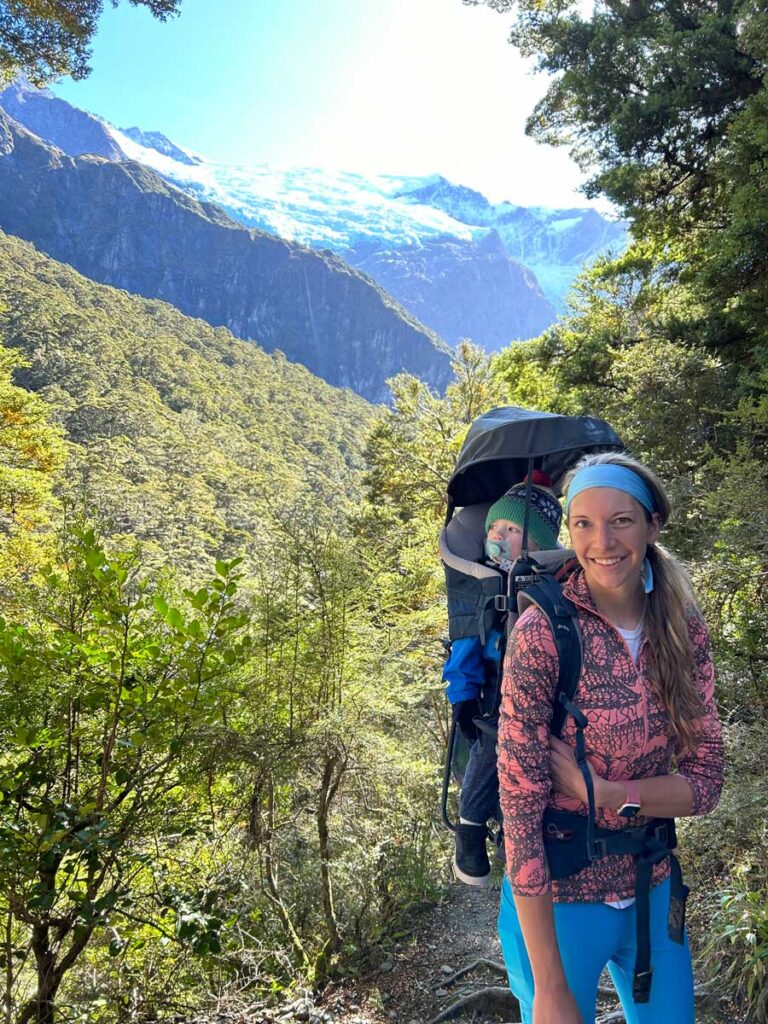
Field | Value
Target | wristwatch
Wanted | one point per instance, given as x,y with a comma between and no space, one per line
632,804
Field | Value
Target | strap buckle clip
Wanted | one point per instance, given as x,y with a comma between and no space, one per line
500,603
661,832
641,985
597,850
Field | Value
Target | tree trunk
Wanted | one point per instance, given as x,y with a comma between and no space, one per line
40,1008
272,889
332,774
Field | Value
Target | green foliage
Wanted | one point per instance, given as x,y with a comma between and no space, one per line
414,445
288,811
621,349
739,942
31,451
105,691
665,104
45,39
328,725
180,435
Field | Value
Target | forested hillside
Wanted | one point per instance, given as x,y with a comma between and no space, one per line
179,434
213,725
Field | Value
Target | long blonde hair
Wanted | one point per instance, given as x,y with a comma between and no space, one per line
669,605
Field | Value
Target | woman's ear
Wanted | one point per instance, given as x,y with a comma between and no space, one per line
654,528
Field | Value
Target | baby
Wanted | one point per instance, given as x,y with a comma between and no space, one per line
472,673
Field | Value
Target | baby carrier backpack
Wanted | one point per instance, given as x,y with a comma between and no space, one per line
502,448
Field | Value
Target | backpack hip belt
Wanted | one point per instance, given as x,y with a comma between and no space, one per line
571,846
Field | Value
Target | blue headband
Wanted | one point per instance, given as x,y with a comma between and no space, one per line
610,475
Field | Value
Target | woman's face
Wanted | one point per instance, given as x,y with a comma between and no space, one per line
610,535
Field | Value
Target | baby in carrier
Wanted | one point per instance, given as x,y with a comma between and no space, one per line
472,673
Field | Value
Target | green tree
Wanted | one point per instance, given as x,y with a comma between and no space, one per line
413,448
107,690
664,105
45,39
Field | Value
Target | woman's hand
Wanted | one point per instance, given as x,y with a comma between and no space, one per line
566,774
555,1007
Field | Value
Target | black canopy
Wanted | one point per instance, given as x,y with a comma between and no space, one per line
499,444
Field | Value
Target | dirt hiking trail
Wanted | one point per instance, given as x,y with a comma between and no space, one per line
411,980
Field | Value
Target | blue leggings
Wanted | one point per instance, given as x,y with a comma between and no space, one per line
592,936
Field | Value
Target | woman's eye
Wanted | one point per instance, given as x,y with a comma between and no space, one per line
623,520
580,524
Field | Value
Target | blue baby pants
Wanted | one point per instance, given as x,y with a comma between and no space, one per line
480,789
592,936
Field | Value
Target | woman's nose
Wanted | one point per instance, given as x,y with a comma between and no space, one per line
604,535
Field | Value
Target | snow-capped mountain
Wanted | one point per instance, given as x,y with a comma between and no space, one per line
322,208
120,223
398,220
464,266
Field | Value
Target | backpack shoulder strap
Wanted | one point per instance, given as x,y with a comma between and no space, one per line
547,595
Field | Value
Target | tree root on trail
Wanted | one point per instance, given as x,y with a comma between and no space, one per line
488,1000
500,1000
492,965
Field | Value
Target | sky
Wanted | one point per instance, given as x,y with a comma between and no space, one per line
376,86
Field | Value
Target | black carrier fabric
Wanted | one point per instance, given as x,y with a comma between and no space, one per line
500,444
471,603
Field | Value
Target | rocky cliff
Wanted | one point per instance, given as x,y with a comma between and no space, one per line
463,288
124,225
72,130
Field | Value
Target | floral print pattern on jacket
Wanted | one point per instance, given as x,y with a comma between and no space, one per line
626,739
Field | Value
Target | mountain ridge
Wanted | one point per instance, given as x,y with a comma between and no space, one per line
120,223
402,221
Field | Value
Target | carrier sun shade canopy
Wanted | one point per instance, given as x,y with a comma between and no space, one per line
502,444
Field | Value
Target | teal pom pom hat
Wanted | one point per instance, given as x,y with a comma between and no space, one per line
546,512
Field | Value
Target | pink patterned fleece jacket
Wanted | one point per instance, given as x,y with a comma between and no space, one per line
626,739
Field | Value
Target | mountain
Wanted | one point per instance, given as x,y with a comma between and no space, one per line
463,288
56,121
412,234
120,223
553,244
161,144
179,433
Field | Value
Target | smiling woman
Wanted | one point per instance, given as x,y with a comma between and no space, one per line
591,881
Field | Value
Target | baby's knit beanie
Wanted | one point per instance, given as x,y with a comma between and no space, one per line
546,511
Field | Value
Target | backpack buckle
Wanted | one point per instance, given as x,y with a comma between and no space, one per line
662,834
597,850
500,603
641,985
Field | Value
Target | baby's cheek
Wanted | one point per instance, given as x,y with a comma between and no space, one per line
515,544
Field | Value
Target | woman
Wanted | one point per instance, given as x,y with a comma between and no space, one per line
654,751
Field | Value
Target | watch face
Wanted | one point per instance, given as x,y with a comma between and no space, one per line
628,810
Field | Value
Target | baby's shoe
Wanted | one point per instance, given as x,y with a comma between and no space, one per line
470,861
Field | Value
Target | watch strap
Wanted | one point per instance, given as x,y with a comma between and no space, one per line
632,787
632,803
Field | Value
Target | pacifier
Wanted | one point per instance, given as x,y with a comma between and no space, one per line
498,550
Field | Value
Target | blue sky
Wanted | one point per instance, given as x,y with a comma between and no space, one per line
386,86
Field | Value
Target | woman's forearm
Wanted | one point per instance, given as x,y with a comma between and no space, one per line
537,922
664,796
